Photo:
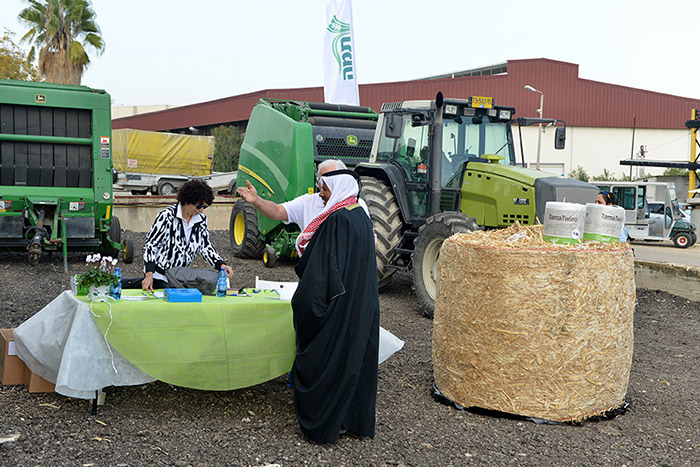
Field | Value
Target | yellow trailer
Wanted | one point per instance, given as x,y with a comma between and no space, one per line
159,162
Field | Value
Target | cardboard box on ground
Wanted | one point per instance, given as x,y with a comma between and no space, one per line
11,366
14,371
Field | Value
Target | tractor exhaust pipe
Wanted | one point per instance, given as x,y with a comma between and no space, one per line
435,181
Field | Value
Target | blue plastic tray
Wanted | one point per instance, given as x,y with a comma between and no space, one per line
183,295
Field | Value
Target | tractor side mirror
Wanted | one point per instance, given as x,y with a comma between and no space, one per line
560,138
393,126
418,120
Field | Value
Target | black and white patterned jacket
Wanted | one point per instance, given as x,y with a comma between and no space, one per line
167,247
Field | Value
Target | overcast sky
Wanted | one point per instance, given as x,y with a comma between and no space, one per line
182,52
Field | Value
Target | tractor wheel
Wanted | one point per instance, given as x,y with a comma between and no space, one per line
166,189
426,252
387,222
243,231
232,187
682,239
128,251
269,257
694,238
115,234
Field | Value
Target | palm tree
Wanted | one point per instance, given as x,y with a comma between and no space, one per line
60,29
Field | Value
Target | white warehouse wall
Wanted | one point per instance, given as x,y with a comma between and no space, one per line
595,149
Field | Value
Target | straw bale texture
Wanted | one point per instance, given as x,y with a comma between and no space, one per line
531,328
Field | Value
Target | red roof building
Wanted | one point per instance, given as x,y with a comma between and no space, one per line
605,122
580,102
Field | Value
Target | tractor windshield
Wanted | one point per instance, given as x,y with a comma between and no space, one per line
465,137
462,138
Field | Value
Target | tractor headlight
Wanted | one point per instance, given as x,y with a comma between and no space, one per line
492,112
504,114
450,110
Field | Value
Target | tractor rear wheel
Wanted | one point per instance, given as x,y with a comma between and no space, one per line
426,252
243,231
386,219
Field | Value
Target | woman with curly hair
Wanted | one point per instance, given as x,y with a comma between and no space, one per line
176,236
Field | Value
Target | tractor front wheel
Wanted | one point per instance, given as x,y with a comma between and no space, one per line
386,220
243,231
426,252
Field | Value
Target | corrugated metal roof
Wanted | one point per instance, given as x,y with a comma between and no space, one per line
580,102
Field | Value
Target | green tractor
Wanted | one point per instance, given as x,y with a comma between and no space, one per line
444,166
283,143
56,171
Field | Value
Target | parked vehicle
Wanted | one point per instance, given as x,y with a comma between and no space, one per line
652,220
56,171
222,182
156,162
658,207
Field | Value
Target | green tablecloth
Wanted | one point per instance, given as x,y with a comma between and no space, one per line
219,344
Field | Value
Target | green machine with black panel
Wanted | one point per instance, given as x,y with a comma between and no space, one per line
56,171
284,142
443,166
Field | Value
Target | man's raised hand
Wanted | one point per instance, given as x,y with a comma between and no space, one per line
248,192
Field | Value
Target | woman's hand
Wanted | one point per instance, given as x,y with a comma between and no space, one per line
147,282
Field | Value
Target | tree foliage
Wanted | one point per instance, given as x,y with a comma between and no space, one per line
227,148
60,30
607,176
14,63
579,173
676,172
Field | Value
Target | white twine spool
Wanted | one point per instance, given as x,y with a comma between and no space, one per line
603,223
564,222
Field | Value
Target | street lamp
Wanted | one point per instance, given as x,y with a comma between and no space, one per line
539,130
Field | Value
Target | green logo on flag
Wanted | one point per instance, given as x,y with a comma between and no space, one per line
342,47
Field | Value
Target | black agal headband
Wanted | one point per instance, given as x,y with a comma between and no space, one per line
345,172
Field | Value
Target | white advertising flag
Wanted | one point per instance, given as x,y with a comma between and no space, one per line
339,62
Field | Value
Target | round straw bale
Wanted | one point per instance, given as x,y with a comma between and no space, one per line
531,328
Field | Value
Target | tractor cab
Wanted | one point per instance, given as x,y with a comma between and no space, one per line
470,128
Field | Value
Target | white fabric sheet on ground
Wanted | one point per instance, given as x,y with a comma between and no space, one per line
389,344
62,344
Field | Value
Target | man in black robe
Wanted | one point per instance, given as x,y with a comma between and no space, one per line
336,317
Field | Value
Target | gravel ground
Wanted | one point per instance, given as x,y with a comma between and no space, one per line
160,424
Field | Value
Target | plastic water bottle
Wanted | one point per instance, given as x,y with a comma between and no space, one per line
116,290
221,284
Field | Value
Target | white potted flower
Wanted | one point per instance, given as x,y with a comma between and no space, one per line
99,276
